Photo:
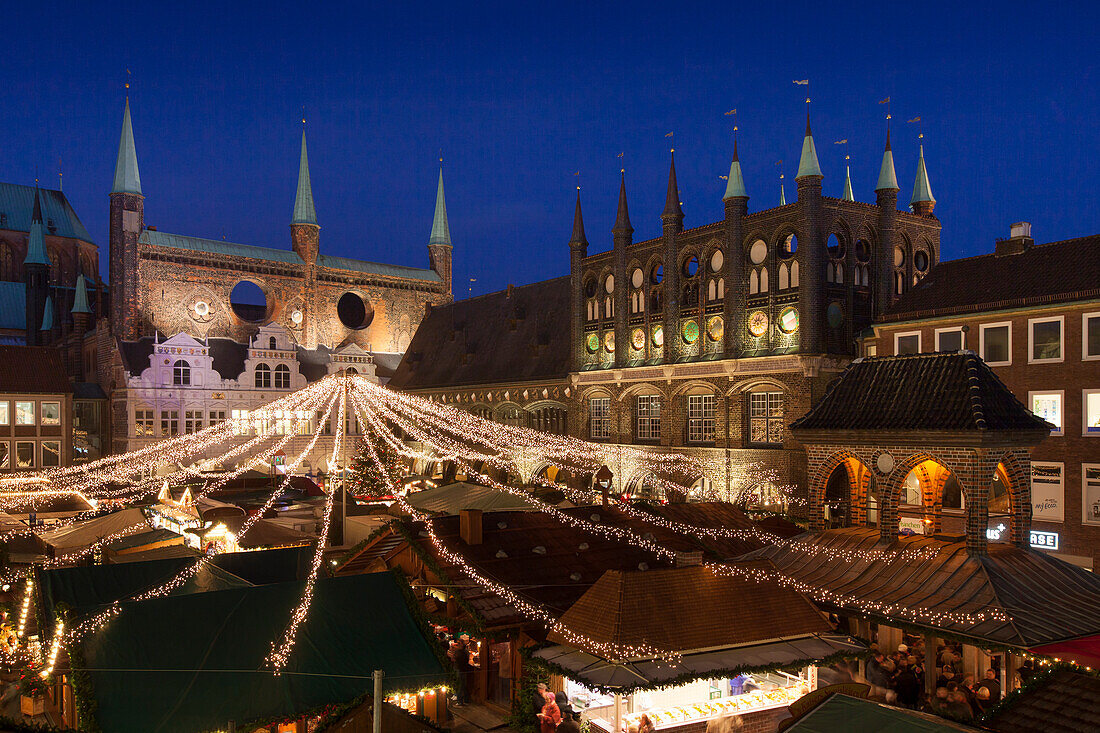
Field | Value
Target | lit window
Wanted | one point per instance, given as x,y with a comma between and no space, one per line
949,339
701,414
143,423
649,417
51,453
282,377
24,413
24,454
766,418
870,350
1090,491
169,423
192,421
5,456
1090,407
5,415
599,418
996,343
1047,491
1044,340
1090,336
51,413
907,343
263,376
181,373
1048,405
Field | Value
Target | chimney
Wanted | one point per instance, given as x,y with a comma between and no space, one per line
689,559
1019,240
469,526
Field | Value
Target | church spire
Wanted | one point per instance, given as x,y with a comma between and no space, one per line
673,215
922,202
782,192
127,179
47,315
735,183
441,229
36,245
622,219
304,213
807,164
578,239
887,179
80,299
848,196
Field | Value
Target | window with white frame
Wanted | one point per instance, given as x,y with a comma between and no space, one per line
1090,336
51,413
263,376
5,455
907,343
192,421
51,453
24,454
950,339
24,413
599,418
181,373
1090,411
766,418
1044,340
1049,406
870,350
282,377
1048,492
143,423
648,412
169,423
1090,492
702,409
5,414
995,343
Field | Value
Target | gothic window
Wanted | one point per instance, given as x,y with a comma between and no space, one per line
55,269
282,377
766,418
899,283
754,282
655,300
512,415
784,278
608,307
263,376
271,343
690,294
794,274
549,420
181,373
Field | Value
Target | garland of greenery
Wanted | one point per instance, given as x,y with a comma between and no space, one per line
83,692
1039,680
432,564
425,626
523,717
359,546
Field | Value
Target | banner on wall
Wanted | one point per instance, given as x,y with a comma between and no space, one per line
1047,491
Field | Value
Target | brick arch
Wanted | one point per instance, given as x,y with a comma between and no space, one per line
692,384
708,249
1014,468
746,384
857,485
932,498
635,389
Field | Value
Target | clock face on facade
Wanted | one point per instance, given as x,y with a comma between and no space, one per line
609,342
592,343
715,328
691,332
758,323
637,339
658,336
788,320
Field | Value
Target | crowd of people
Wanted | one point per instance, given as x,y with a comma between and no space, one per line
555,714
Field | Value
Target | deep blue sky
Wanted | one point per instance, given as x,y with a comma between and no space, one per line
521,95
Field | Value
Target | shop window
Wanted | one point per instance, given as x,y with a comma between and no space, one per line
1090,408
950,339
181,373
599,418
907,343
143,423
282,377
648,414
24,454
1048,491
5,455
1044,340
1090,336
51,413
766,418
1048,405
995,343
263,376
169,423
1090,491
5,415
192,421
24,413
51,453
702,409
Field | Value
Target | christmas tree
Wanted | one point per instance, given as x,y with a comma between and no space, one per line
366,479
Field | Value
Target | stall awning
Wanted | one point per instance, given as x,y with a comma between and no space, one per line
593,671
1084,652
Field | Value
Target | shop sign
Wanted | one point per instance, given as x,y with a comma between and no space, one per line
1047,491
1044,540
911,525
995,533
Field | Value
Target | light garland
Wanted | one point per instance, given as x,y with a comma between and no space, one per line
25,609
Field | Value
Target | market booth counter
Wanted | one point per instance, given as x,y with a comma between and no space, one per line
738,648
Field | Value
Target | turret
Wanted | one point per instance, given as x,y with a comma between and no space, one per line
673,215
848,195
305,234
736,204
439,243
126,224
622,235
578,250
886,193
36,277
922,201
810,255
47,320
82,321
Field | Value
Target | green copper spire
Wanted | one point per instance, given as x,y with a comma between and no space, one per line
887,180
36,245
807,164
304,213
127,179
848,184
922,189
735,184
80,300
441,229
47,315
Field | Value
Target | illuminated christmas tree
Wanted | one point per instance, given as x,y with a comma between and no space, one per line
366,479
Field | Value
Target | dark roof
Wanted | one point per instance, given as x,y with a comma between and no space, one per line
515,335
196,661
17,202
1064,701
1044,599
1047,273
313,363
953,391
845,713
88,391
13,306
33,369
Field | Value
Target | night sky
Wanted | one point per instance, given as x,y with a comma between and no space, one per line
520,96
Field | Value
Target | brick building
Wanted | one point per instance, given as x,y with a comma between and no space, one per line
36,410
706,340
1032,312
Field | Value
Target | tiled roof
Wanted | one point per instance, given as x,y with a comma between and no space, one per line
33,369
683,609
13,306
17,202
286,256
953,391
515,335
1044,599
1046,273
1065,702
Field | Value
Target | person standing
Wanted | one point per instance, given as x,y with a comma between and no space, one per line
992,684
549,716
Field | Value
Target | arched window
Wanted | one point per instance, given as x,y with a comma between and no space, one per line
282,376
754,282
721,288
271,344
263,376
181,373
784,279
712,291
655,300
763,279
794,274
352,370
